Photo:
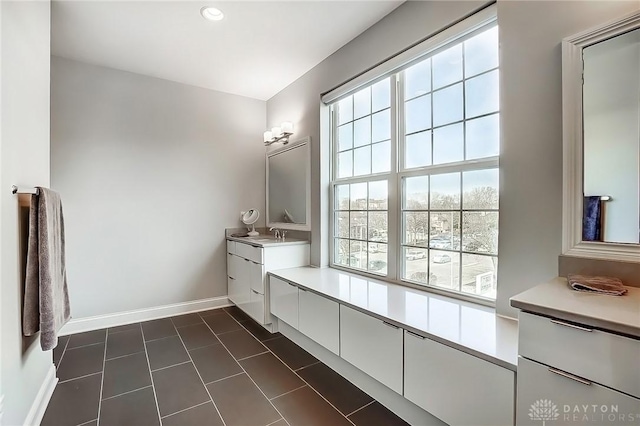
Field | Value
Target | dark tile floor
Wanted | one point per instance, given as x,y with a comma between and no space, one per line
212,368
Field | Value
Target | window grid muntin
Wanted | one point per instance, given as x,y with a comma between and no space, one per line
367,241
404,246
352,121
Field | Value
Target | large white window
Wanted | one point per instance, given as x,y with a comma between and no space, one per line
415,170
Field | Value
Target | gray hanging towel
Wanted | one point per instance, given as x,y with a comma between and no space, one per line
46,297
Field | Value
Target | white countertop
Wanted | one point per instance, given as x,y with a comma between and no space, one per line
466,326
267,241
613,313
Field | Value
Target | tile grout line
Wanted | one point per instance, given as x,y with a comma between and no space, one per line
104,361
307,366
225,332
86,423
125,393
153,387
288,392
273,423
186,409
169,366
224,378
300,377
361,408
245,371
251,356
64,350
79,377
198,373
84,346
123,356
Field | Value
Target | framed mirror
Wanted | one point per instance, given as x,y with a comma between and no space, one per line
289,186
601,125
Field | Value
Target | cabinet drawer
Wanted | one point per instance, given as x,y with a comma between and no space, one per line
249,252
605,358
231,247
574,402
456,387
255,307
284,301
319,319
373,346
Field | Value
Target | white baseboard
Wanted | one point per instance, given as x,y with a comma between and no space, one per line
39,406
129,317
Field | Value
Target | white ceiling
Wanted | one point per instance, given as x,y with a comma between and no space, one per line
257,50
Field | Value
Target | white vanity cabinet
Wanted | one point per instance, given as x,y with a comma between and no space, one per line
247,266
372,345
587,374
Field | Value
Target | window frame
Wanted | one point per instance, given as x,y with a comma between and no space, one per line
398,173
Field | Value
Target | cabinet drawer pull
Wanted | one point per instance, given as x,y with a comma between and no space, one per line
231,278
569,376
246,260
411,333
255,292
566,324
388,324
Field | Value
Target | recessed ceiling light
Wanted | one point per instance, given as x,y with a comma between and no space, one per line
211,13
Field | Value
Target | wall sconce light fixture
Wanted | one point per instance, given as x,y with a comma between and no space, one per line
279,134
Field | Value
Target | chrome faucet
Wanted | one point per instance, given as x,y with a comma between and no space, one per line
276,232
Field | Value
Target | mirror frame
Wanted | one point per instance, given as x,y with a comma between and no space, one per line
306,143
573,155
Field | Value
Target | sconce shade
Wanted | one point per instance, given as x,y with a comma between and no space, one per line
287,127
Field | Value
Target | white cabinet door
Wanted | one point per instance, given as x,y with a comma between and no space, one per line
231,266
255,307
373,346
284,301
242,287
559,398
257,277
458,388
319,319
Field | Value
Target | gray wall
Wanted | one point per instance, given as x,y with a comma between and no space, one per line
24,160
151,172
531,100
531,164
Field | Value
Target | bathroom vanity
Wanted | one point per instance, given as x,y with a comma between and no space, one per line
579,352
248,261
